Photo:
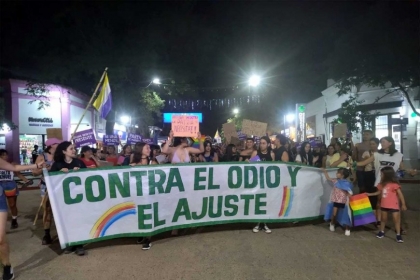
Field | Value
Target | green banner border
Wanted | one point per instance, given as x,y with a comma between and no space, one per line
148,234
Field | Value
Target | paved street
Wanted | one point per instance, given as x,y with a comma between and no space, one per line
303,251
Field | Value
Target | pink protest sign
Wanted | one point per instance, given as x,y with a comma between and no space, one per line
185,126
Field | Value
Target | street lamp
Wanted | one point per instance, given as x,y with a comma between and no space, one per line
125,119
156,81
236,111
290,117
254,80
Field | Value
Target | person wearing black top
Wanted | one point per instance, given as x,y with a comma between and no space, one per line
280,152
65,160
265,154
231,153
249,148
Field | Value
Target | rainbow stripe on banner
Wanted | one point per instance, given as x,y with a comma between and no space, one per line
286,203
362,210
111,216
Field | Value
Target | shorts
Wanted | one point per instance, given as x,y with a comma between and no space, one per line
390,210
10,188
339,205
3,201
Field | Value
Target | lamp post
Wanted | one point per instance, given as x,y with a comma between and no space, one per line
253,82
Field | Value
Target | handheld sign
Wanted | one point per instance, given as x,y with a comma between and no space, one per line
254,128
340,130
133,138
111,140
147,141
229,131
84,138
185,126
55,133
255,159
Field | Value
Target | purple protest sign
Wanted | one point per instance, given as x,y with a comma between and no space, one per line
133,138
111,140
84,138
147,140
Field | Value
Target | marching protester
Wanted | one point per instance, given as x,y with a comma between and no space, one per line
249,149
65,159
34,153
305,155
112,155
231,154
369,176
48,158
88,158
125,153
180,152
390,192
357,155
280,152
8,273
265,154
10,188
326,161
317,154
209,154
338,210
141,156
342,159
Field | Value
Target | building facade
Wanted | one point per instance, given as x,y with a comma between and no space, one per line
391,108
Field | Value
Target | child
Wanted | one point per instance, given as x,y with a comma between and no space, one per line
390,191
338,209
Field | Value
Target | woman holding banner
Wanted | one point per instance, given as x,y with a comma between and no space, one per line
141,156
4,245
180,152
65,159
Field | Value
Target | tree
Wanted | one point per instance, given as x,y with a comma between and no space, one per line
381,49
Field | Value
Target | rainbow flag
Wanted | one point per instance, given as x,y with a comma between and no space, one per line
196,143
362,210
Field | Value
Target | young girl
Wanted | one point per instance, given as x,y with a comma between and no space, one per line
390,192
338,208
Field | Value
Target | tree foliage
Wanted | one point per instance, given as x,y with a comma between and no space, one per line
381,48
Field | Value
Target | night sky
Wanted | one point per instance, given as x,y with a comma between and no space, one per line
206,45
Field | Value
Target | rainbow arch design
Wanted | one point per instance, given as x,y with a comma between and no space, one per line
112,215
287,201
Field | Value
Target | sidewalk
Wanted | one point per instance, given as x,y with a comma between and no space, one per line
303,251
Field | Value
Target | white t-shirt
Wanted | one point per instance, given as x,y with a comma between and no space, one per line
382,160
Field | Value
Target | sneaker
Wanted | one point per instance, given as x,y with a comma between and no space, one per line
69,250
399,238
332,227
46,239
80,251
14,224
140,240
257,228
8,273
347,232
146,245
266,229
380,234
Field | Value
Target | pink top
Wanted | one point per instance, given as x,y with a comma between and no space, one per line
389,195
176,159
338,195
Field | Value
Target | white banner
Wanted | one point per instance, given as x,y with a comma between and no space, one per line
99,204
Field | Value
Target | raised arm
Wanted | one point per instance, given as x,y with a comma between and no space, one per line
366,161
16,168
326,174
166,149
194,150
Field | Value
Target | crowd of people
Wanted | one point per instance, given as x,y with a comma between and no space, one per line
372,169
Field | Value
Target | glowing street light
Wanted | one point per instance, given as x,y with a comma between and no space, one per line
290,117
125,119
156,81
254,80
236,111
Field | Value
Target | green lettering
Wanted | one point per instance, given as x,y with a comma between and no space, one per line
247,198
259,204
101,188
142,217
218,207
262,177
115,183
66,190
198,179
293,174
153,184
254,172
211,186
139,184
182,209
269,178
229,205
174,180
203,210
156,222
238,177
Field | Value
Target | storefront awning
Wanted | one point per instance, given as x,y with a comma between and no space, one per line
368,107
